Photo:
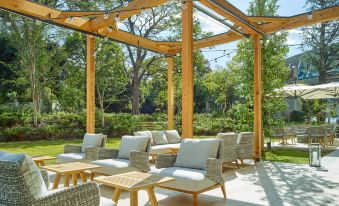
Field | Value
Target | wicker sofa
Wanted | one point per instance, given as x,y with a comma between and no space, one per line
85,152
132,155
162,142
23,184
196,168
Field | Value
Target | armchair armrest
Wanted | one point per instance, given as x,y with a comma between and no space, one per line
214,170
92,153
72,148
105,153
85,194
165,160
139,160
45,176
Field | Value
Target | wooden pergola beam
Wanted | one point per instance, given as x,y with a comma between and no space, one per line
56,17
231,13
319,16
170,93
133,8
257,19
90,85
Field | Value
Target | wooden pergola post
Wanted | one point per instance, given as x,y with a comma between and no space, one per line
170,93
90,85
257,98
187,70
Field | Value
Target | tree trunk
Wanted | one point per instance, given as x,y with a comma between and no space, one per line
135,96
322,54
35,96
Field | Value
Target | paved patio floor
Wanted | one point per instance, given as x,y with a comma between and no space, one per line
267,183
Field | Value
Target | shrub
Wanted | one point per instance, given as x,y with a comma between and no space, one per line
296,116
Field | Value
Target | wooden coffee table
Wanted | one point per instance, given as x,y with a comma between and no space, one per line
40,160
70,170
133,182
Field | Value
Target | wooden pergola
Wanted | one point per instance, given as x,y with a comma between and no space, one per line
100,24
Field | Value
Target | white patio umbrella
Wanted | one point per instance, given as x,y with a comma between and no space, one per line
322,91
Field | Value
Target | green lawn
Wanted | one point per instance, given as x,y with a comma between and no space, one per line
55,147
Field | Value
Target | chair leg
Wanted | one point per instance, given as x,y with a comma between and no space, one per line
236,162
223,189
242,162
195,199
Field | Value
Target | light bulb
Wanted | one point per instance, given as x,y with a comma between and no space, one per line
309,16
38,22
261,41
100,45
142,10
8,23
183,5
105,16
117,18
70,18
106,38
275,49
94,54
110,29
125,3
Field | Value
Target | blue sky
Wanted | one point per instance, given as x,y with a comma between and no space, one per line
287,8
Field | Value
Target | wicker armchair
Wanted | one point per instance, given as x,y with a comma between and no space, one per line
112,164
229,147
244,147
278,133
76,153
317,135
189,180
15,190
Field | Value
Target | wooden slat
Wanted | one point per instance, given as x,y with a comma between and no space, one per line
187,71
267,19
90,86
214,5
323,15
257,97
170,93
100,22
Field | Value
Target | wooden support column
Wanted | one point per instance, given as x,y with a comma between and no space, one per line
257,98
90,85
187,70
170,93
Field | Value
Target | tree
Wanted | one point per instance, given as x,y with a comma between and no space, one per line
274,72
37,54
321,41
110,78
149,24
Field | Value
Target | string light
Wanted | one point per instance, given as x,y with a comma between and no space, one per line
125,3
117,19
309,16
106,38
70,18
105,16
184,5
38,22
142,10
8,23
110,29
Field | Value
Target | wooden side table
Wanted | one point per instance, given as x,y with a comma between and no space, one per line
70,170
133,182
40,160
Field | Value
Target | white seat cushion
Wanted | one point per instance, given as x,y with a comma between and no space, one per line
159,137
163,149
185,178
112,166
193,153
92,140
70,157
129,143
172,136
144,133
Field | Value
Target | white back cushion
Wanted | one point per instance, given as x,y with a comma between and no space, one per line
129,143
92,140
159,137
193,153
172,136
144,133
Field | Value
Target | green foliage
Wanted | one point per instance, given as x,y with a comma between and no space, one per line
297,116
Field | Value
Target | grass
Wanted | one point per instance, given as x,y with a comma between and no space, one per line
55,147
290,156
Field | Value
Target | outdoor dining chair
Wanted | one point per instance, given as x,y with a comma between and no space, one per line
278,133
317,135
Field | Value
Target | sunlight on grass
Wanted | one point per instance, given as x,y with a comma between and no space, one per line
290,156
